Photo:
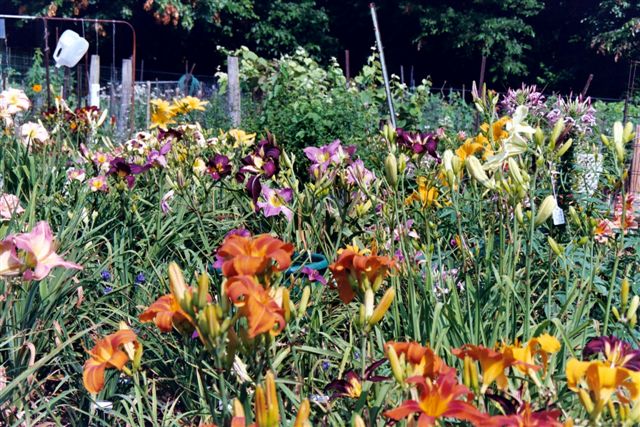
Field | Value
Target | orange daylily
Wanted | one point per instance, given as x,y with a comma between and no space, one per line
526,417
541,346
438,399
497,128
417,360
425,195
262,312
254,255
165,313
353,268
493,363
107,353
596,382
469,148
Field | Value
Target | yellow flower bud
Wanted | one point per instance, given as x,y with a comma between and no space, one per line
358,421
555,247
368,303
627,133
624,293
475,169
466,375
618,141
396,369
238,409
383,306
564,148
391,169
518,213
574,216
538,137
546,209
612,409
213,324
302,419
286,305
633,321
514,171
304,301
633,307
585,399
176,282
203,289
555,134
616,313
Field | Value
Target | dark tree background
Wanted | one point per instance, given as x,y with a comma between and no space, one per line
553,43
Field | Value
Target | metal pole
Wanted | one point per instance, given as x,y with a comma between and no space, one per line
46,63
385,76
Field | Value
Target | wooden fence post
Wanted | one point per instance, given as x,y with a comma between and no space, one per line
233,73
94,81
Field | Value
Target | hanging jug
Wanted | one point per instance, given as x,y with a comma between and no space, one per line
70,49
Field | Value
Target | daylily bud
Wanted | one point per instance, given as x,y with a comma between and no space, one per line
616,313
362,318
604,140
518,213
538,137
456,164
389,133
612,410
391,169
358,421
624,293
627,133
213,324
402,163
563,149
514,170
585,399
546,209
304,301
473,371
574,216
272,400
475,169
633,307
180,179
618,141
203,289
383,306
176,282
555,247
286,305
368,303
396,369
302,419
633,321
238,409
466,375
555,134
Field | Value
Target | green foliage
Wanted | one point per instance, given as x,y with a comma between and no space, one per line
492,28
615,27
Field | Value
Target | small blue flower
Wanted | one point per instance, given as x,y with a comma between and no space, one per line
107,290
140,279
325,365
105,275
356,354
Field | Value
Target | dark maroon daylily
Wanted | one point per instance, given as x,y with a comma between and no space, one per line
219,167
122,169
616,351
350,385
418,143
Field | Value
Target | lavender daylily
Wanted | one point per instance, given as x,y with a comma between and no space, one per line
275,202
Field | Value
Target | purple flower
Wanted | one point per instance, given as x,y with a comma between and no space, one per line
350,385
140,279
157,157
325,365
105,275
219,167
242,232
616,351
265,160
107,290
527,96
313,275
578,114
125,170
418,143
275,202
164,202
333,154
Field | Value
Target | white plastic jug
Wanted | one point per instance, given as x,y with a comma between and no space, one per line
70,49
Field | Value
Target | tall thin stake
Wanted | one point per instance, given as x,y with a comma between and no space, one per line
385,76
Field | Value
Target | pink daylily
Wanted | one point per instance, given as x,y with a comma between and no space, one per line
39,254
275,202
9,206
9,262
